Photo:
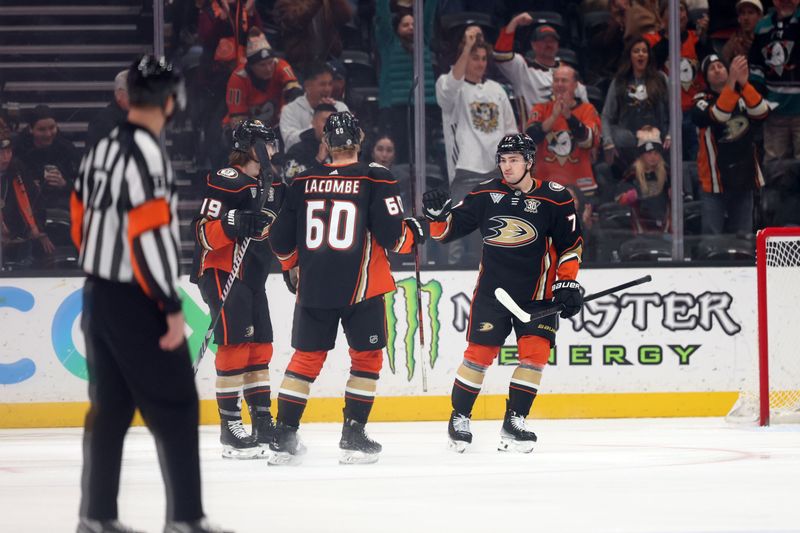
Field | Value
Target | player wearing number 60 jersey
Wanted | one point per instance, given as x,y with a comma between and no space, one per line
532,248
336,225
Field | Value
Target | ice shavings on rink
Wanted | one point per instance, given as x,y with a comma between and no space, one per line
623,476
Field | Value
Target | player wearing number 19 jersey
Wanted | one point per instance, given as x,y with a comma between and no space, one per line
336,225
532,248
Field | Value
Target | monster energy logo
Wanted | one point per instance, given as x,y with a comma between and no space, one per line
409,287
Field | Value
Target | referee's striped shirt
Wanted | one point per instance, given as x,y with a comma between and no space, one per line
124,214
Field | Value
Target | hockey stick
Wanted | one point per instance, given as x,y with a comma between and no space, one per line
504,298
266,173
413,179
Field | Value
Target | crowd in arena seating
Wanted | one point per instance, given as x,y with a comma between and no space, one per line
588,80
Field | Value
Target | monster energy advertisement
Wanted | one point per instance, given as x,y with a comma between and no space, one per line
690,330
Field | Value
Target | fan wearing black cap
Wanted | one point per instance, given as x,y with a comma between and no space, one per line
124,223
337,223
728,116
262,87
533,82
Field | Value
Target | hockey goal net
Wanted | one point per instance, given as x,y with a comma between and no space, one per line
774,397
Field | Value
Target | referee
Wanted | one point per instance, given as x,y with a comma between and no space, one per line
124,222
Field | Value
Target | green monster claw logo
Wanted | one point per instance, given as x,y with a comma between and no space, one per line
198,321
409,285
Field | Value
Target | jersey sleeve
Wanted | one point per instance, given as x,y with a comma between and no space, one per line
462,220
567,237
154,251
236,95
385,218
286,76
283,232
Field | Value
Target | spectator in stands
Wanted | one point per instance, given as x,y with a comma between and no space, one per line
394,38
222,29
693,48
645,187
566,131
748,13
51,160
113,114
309,151
606,46
775,72
262,87
637,97
310,29
728,116
20,235
642,17
296,116
383,151
476,114
534,83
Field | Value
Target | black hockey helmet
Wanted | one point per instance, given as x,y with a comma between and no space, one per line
518,143
342,130
249,131
152,80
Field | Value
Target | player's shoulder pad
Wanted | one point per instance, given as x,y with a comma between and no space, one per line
379,172
485,185
555,192
230,180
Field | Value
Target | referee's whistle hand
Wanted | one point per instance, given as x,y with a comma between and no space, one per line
174,336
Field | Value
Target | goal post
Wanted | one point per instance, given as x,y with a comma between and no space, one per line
775,397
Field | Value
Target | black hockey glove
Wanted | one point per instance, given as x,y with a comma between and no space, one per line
420,228
243,224
436,205
290,278
568,293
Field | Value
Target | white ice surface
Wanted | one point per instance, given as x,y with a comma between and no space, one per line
637,476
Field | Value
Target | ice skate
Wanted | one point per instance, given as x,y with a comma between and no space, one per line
515,436
87,525
237,443
263,428
194,526
286,446
459,433
356,446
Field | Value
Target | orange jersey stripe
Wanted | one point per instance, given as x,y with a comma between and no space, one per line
76,217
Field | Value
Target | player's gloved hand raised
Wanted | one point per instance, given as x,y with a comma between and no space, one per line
243,224
290,277
568,293
436,205
420,229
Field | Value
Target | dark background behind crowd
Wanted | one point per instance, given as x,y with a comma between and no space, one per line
587,79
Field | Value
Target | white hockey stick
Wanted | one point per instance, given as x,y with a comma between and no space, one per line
504,298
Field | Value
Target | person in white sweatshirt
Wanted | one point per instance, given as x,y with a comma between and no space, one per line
476,114
297,115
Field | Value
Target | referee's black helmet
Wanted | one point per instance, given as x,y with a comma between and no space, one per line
151,81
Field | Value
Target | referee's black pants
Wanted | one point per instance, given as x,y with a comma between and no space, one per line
128,370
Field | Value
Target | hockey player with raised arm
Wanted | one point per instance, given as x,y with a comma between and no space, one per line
238,205
336,225
532,248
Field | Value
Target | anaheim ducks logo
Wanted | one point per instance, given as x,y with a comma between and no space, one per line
510,232
735,129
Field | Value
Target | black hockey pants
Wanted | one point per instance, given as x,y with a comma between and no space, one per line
128,370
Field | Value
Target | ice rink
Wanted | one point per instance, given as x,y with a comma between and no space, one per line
626,476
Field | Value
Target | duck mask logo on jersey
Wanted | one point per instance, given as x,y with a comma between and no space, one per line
510,232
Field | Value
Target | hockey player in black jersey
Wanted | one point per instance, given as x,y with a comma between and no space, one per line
532,248
336,225
237,206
